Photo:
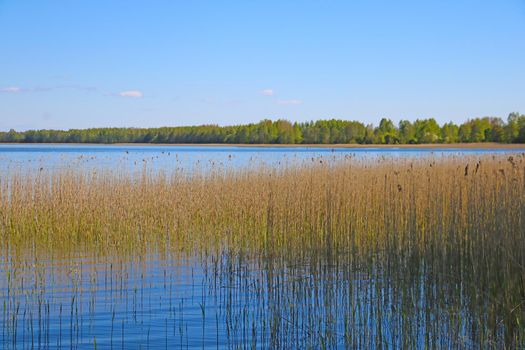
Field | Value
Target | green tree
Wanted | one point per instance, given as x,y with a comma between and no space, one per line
450,133
407,132
328,131
427,130
386,132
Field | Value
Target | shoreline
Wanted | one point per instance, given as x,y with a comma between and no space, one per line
480,145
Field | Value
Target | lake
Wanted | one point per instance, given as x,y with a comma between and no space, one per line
305,259
188,158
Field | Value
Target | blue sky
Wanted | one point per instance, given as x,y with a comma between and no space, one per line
77,64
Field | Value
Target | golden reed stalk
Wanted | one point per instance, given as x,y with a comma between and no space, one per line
458,219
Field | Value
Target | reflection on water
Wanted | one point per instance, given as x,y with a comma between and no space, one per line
227,301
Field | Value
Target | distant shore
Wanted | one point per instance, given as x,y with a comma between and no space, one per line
480,145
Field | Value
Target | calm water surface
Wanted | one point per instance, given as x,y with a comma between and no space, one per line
189,158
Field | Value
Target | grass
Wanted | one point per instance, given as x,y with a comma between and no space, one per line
385,252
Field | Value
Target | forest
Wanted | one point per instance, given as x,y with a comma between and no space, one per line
330,131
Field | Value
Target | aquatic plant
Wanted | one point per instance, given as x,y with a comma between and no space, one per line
384,252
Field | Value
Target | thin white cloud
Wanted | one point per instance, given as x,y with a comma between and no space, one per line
11,90
267,92
18,90
131,93
290,102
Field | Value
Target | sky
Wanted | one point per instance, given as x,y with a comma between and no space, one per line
78,64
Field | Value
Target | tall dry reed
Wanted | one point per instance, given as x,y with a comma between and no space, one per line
445,236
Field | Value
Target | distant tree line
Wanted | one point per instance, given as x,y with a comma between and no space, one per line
333,131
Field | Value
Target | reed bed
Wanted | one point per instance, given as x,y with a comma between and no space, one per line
389,252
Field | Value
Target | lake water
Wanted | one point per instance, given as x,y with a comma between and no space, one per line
160,299
188,158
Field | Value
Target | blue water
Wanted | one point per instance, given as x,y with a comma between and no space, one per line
154,302
189,158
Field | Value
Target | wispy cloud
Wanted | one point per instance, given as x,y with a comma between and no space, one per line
18,90
267,92
131,93
11,90
290,102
